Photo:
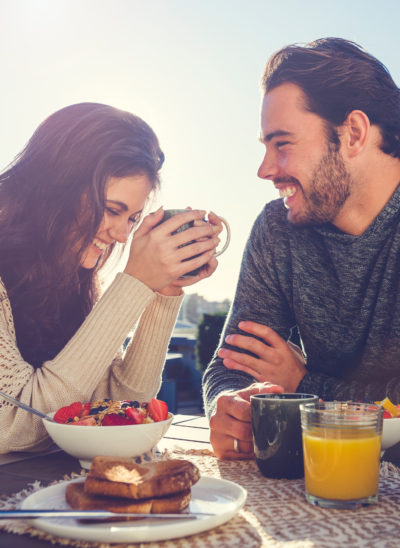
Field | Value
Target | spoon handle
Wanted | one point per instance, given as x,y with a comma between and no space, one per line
24,406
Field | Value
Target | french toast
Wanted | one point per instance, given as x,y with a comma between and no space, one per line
122,477
78,499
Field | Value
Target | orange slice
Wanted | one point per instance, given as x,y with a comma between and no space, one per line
389,406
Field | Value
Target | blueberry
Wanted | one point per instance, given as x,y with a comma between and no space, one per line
96,410
134,404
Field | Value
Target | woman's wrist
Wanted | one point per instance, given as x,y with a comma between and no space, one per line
171,291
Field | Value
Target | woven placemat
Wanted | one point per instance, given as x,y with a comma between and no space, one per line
275,515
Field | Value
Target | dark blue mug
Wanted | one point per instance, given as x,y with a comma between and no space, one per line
168,213
275,422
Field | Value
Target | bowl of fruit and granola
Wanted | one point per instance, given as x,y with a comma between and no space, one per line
391,423
108,428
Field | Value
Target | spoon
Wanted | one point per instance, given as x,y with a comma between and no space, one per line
26,407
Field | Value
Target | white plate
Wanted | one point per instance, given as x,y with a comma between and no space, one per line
221,497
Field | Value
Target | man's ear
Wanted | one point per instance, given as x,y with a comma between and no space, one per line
354,132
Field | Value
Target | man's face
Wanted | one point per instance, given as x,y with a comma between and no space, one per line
306,168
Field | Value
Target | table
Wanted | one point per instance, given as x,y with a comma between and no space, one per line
275,515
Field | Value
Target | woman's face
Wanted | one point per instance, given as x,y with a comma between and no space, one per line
125,200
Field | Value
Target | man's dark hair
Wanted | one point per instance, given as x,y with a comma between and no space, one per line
338,76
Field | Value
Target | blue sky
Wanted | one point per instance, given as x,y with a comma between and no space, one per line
190,68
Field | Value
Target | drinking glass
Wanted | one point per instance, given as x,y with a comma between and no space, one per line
341,447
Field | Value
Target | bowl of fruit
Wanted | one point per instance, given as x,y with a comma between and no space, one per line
391,423
108,428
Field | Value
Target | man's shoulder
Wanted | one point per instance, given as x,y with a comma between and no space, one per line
273,213
271,230
275,210
273,220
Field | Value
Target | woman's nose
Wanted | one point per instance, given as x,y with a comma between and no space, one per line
119,231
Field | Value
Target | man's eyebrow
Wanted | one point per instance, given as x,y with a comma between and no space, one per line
278,133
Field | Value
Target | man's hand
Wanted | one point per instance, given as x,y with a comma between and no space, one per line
232,420
278,361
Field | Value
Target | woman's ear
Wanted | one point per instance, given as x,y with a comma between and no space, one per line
355,132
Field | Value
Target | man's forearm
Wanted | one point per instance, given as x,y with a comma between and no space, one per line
217,379
330,388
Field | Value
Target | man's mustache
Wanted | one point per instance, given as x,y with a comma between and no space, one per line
286,180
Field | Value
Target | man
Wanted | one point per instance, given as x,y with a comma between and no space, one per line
325,258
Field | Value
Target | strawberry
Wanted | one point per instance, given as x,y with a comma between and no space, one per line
116,420
157,409
134,414
68,412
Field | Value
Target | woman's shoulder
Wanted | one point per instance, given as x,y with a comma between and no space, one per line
5,309
3,290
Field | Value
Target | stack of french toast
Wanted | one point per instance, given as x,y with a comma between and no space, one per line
121,485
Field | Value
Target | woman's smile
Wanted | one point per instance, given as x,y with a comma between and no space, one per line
124,202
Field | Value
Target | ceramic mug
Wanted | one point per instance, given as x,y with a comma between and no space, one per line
275,421
168,213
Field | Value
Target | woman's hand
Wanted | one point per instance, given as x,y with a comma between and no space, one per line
207,269
277,361
156,254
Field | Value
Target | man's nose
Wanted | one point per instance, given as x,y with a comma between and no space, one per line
268,168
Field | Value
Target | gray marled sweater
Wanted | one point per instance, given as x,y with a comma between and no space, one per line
342,292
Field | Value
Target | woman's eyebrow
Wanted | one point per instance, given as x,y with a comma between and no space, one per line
123,206
120,204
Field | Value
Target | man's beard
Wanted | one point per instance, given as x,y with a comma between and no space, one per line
329,189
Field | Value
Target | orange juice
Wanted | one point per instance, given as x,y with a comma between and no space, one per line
341,464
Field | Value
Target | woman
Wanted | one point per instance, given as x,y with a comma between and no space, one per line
68,201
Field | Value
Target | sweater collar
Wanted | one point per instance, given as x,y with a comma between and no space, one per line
380,225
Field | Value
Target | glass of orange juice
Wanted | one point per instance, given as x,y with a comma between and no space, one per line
341,446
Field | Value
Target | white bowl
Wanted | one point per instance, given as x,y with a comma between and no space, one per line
390,432
86,442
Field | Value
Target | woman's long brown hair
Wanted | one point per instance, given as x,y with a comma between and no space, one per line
44,227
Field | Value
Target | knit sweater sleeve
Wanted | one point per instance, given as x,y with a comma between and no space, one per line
81,366
258,298
331,388
137,376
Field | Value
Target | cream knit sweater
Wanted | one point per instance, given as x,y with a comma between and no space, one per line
91,366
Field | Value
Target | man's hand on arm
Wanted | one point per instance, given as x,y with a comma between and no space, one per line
277,361
232,420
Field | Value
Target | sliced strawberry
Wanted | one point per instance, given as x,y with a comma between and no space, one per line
158,410
86,421
68,412
134,414
387,415
116,420
86,409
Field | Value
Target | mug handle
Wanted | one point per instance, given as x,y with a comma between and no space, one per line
228,236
